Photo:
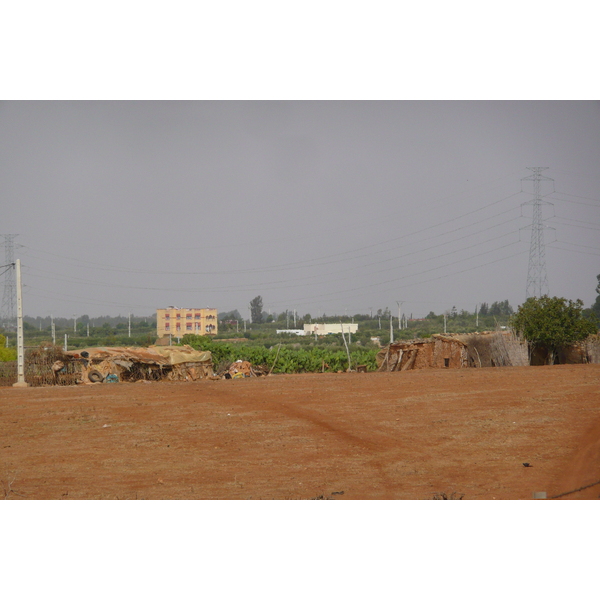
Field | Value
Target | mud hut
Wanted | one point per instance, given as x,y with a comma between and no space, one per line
439,351
586,351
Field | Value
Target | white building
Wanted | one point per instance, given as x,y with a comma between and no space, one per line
292,331
325,328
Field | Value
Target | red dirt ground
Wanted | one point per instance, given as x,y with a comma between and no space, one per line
406,435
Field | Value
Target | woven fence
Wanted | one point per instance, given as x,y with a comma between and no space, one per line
496,349
38,368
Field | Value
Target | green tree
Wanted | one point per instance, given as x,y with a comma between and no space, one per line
596,305
552,323
256,309
6,354
500,309
232,315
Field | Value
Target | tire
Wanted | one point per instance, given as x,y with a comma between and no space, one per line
95,376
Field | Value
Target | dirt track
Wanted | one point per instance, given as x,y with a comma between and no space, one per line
371,436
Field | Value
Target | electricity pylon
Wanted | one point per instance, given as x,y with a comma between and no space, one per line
537,278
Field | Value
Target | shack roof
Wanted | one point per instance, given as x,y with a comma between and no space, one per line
420,341
154,355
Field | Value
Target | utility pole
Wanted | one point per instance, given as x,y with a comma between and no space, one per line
20,342
391,331
476,315
88,330
53,327
294,318
74,323
445,323
66,338
129,328
8,313
537,278
399,303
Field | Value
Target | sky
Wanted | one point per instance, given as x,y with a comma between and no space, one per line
323,207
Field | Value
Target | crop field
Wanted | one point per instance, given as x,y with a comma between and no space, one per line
495,433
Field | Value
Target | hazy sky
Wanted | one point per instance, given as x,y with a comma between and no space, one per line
323,206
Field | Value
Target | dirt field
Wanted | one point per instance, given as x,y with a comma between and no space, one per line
407,435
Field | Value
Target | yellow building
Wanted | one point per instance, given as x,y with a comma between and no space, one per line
179,321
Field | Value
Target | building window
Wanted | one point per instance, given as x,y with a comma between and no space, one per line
178,316
178,327
188,326
167,316
188,316
197,316
167,326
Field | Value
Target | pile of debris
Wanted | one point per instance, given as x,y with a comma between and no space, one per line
156,363
240,369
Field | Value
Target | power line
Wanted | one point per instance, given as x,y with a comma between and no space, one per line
577,221
8,312
575,201
551,245
298,281
306,263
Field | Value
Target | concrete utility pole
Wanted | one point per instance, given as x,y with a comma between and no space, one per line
445,323
53,327
391,331
129,328
8,311
74,323
399,303
20,342
476,315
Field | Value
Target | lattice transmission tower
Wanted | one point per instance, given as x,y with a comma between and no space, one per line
8,312
537,278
